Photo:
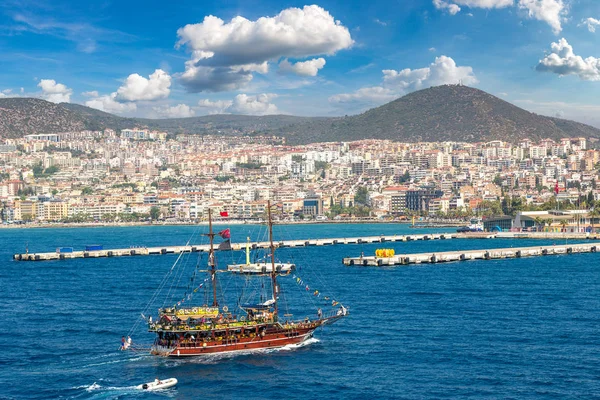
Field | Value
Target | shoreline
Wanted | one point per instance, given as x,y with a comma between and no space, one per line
205,223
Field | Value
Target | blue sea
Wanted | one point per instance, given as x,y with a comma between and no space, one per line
503,329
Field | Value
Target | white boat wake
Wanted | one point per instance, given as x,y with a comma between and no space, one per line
99,391
123,360
298,345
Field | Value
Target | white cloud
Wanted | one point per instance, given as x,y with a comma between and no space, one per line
362,68
7,93
253,105
303,68
452,9
138,88
485,3
178,111
242,104
397,83
215,107
453,6
550,11
55,92
563,61
223,53
442,71
135,88
109,103
198,78
380,22
367,95
591,24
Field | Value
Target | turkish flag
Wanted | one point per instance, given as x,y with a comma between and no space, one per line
224,214
556,190
225,233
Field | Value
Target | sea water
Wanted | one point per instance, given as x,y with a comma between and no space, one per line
513,328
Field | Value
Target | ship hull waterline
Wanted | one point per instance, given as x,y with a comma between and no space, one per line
232,347
269,340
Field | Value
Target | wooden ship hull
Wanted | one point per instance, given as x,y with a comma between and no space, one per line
248,338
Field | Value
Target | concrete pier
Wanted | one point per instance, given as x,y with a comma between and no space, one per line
464,255
145,251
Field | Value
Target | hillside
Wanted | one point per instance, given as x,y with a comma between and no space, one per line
24,116
205,124
442,113
450,112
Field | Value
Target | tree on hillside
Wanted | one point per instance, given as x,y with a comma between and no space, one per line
154,213
51,170
38,170
593,214
497,180
538,222
405,177
590,199
362,196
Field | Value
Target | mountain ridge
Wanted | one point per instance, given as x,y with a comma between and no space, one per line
441,113
447,113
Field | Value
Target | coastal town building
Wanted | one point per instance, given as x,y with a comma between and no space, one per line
139,174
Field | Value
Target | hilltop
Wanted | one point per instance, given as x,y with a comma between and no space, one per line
442,113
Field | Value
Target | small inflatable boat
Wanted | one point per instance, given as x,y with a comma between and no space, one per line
162,384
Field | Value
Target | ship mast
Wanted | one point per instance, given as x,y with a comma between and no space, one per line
273,273
211,259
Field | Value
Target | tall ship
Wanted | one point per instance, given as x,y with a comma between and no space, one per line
252,321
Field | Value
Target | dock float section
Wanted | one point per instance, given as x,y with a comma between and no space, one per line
145,251
465,255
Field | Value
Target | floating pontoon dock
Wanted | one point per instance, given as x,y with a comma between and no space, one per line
145,251
465,255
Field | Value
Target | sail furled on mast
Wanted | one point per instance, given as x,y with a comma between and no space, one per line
225,245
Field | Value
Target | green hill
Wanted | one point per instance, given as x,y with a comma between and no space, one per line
442,113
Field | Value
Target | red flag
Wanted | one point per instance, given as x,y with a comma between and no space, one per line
224,214
225,233
556,188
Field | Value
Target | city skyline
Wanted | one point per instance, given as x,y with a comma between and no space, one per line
325,59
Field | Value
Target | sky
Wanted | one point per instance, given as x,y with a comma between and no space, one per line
193,58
